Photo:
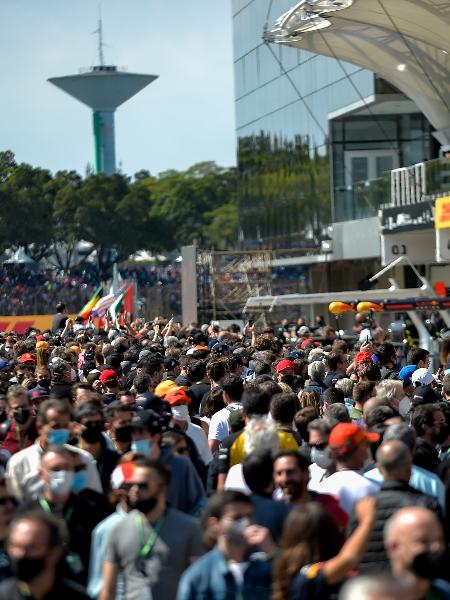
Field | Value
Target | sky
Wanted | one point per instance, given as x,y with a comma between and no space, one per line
184,117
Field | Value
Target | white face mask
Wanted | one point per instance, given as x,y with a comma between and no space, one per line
60,482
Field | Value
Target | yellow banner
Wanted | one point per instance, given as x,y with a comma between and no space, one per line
442,213
20,324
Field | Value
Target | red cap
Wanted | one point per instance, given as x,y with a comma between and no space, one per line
122,474
177,397
308,342
27,357
362,357
345,437
107,375
285,364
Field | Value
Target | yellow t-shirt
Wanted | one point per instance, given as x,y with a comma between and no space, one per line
237,453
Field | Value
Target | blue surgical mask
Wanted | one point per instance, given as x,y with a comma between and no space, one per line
58,437
141,447
79,481
60,482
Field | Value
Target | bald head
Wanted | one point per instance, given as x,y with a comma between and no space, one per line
410,532
394,459
372,403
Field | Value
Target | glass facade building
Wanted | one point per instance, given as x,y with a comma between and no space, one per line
284,98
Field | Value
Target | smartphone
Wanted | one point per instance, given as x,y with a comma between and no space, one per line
250,322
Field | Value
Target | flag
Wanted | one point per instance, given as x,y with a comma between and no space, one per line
116,307
86,311
128,301
103,304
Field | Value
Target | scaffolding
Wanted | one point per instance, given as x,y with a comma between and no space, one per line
225,280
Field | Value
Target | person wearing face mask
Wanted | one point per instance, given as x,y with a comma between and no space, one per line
57,498
89,428
54,427
350,448
231,569
43,377
36,548
185,491
322,463
20,431
415,544
120,480
119,419
154,543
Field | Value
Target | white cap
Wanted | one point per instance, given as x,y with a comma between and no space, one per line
365,336
422,377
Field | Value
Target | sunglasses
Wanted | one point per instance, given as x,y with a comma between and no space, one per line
141,486
319,446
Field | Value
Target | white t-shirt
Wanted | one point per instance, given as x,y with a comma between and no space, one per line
348,487
218,427
198,436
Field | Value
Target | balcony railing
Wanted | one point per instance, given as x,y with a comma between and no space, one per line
400,187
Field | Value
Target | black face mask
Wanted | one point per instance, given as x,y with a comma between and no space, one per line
124,433
430,565
3,416
144,506
93,433
26,569
443,434
21,415
45,383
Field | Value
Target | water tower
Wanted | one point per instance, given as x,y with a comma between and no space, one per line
103,89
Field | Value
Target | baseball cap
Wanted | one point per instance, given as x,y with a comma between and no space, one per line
406,373
296,354
38,392
122,474
27,357
149,420
107,375
177,396
221,348
345,437
362,357
422,377
308,342
284,364
424,394
170,363
165,386
304,330
93,376
3,364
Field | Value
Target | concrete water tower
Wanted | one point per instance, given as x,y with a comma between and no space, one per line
103,89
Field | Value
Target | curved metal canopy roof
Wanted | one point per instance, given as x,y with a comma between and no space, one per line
407,42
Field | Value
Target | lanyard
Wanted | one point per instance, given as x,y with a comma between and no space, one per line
25,439
46,508
148,546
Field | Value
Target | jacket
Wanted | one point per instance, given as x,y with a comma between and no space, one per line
210,578
392,496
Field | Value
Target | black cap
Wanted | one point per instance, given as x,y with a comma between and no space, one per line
424,394
221,348
170,363
149,420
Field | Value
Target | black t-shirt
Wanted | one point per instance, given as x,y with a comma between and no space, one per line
81,517
62,590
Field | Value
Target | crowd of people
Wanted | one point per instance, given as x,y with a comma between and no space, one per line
150,460
26,290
